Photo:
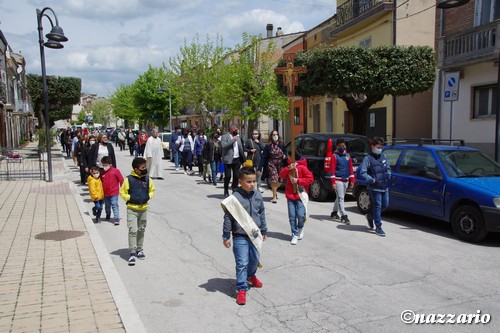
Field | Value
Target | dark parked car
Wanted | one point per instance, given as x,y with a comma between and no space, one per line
313,147
456,184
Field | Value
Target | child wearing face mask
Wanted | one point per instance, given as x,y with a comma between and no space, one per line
112,179
376,171
342,173
96,192
137,190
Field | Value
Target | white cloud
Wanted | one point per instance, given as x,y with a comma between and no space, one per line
113,41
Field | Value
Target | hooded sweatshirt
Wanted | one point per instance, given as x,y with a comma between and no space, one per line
305,178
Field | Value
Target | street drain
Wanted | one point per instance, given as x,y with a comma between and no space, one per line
59,235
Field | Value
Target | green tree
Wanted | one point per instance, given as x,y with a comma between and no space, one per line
102,111
247,85
63,93
196,70
363,76
122,101
81,116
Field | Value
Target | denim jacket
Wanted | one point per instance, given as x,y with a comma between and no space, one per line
254,205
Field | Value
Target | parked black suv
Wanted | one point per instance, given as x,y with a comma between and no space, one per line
313,147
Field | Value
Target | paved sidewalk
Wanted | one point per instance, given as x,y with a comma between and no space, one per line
55,274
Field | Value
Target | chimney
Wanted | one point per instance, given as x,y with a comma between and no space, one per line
279,32
269,28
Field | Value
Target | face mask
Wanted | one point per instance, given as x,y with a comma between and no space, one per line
91,142
255,136
96,175
144,172
235,133
106,168
377,151
275,138
341,150
185,135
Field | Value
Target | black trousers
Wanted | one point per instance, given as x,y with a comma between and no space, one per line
235,169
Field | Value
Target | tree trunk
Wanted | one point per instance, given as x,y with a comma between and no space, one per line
358,105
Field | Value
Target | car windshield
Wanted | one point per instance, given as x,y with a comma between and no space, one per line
468,163
166,138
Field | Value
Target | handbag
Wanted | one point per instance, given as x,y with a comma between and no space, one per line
249,162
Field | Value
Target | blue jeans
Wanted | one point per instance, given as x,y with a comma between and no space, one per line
247,259
296,215
187,160
214,165
98,206
175,153
380,201
112,203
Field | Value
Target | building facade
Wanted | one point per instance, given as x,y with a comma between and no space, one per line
468,44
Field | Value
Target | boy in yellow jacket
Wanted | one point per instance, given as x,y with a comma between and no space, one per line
96,192
137,190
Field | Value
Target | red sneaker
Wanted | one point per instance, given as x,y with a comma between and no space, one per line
242,297
255,282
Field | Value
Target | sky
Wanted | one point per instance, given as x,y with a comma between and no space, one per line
112,42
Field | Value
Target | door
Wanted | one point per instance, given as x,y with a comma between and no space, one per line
377,123
415,186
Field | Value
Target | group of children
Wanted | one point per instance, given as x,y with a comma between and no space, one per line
246,223
244,212
107,183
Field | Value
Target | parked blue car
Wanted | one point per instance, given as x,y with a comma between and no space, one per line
456,184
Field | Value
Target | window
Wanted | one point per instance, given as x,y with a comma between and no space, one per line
309,146
296,116
486,11
392,155
329,117
367,42
419,163
484,101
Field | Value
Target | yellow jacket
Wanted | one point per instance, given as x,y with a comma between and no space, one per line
124,192
95,188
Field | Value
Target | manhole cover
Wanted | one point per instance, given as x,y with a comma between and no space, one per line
59,235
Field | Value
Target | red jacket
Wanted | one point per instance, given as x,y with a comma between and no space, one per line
305,178
111,181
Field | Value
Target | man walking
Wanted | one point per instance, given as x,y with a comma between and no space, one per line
232,157
174,147
153,154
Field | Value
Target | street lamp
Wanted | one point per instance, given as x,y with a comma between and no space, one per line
54,39
444,4
161,90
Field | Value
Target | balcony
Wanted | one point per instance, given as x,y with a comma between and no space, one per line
354,11
472,46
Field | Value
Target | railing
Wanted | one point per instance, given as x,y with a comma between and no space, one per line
478,42
352,9
22,163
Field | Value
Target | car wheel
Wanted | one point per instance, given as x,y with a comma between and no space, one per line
363,200
468,224
317,192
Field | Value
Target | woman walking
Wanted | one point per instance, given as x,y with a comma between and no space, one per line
273,159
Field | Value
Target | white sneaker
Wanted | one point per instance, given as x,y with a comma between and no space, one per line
294,240
301,233
176,169
261,190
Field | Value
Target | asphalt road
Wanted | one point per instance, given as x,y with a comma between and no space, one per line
337,279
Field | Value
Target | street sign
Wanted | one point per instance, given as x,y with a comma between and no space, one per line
451,85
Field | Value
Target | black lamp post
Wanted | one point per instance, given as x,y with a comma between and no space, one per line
54,39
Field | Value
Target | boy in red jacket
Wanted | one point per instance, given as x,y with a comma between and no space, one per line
296,173
112,179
